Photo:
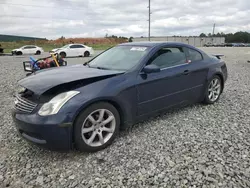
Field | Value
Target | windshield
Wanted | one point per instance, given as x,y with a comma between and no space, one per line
65,46
119,58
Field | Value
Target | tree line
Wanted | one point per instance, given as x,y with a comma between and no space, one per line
238,37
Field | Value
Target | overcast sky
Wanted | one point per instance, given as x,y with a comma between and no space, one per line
95,18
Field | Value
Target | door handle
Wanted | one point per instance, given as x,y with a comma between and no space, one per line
186,72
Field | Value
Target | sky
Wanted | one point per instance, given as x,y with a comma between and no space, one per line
52,19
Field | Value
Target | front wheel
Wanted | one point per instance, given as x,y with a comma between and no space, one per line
63,54
213,90
96,127
19,53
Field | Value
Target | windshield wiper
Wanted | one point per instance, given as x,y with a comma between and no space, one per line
103,68
86,63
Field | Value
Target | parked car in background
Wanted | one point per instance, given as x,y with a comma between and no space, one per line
74,50
228,44
28,49
221,45
243,45
239,44
208,44
85,105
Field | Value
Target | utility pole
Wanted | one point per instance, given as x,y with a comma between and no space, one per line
149,15
213,34
213,29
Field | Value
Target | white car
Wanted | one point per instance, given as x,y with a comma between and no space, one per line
74,50
28,49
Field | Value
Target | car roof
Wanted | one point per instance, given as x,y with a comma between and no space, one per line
29,45
154,43
76,44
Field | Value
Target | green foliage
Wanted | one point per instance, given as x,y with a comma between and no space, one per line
238,37
12,38
115,37
203,35
8,46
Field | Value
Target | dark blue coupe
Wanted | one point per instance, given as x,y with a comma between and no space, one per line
84,106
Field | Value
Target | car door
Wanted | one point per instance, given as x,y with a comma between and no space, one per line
198,71
167,88
26,50
80,50
73,50
32,49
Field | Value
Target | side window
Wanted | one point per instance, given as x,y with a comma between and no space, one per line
194,55
168,57
76,46
80,46
29,47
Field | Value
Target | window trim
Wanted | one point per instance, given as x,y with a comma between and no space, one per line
174,66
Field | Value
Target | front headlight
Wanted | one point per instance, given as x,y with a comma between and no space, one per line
20,89
55,104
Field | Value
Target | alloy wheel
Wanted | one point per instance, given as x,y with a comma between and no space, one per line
98,127
214,89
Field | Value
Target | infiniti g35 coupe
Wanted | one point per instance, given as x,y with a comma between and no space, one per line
84,106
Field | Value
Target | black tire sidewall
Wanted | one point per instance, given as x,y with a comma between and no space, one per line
38,52
86,54
207,100
79,142
19,53
63,54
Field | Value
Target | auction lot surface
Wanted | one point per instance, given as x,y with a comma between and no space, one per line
198,146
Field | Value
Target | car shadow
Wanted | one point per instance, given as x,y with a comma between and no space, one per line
125,131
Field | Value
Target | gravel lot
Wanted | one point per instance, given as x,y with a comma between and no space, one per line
197,146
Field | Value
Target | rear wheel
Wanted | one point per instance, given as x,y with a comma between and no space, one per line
38,52
96,127
86,54
213,90
63,54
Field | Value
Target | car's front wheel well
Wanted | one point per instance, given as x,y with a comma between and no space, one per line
222,80
115,104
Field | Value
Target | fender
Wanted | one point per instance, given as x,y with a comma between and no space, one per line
122,107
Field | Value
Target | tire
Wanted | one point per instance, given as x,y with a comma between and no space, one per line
93,130
63,54
86,54
212,98
38,52
19,53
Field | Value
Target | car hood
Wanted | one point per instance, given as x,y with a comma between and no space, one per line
55,49
16,49
43,81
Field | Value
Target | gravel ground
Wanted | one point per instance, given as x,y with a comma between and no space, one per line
197,146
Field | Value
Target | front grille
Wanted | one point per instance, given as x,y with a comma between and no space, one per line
24,105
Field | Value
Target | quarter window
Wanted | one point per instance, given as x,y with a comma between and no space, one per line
168,57
194,55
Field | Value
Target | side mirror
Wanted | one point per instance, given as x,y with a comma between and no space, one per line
151,69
